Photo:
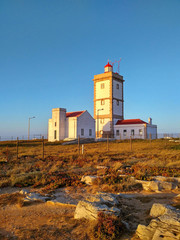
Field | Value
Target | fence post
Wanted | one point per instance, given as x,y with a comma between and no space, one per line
43,147
131,143
17,148
108,143
82,149
150,138
7,153
78,144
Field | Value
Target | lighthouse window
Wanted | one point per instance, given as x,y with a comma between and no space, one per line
117,103
102,85
117,86
102,121
54,134
102,102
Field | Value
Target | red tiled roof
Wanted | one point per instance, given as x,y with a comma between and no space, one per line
108,65
130,121
74,114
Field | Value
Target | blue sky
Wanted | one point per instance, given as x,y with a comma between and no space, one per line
50,51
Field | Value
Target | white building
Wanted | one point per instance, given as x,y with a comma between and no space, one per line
136,128
70,125
108,115
109,109
108,101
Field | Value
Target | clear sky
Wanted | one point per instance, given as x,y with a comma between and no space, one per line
50,51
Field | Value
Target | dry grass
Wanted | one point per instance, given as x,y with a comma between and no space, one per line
31,169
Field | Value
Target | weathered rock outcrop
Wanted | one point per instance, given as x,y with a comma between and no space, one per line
102,202
166,224
32,197
160,183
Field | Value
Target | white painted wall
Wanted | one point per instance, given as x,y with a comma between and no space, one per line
57,123
103,126
117,93
86,121
102,92
151,129
145,131
105,107
129,127
71,127
117,109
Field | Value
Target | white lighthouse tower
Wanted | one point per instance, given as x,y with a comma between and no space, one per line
108,101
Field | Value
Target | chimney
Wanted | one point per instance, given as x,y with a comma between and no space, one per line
150,121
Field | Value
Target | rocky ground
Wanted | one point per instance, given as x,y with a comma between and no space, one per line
52,216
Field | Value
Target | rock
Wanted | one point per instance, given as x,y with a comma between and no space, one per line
102,202
88,179
90,210
149,185
157,186
35,197
104,198
24,191
160,209
166,224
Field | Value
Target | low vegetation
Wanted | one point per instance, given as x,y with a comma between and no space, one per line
62,165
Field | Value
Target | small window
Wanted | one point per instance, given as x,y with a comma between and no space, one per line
55,124
132,132
102,102
117,102
82,131
90,132
124,132
102,85
140,132
117,86
117,132
102,121
55,134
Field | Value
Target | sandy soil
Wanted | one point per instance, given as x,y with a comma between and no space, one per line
44,221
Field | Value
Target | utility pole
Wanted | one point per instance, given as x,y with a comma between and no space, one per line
29,126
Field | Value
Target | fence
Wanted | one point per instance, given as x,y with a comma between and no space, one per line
42,148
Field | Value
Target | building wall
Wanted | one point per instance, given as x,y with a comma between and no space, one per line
146,130
105,105
57,125
102,92
151,129
86,122
117,93
71,127
136,127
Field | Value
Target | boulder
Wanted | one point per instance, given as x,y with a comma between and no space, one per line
104,198
102,202
88,179
89,210
160,209
31,197
166,224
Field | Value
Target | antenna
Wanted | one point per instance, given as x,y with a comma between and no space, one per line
119,64
112,63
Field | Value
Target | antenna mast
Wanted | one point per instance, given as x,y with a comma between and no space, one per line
112,63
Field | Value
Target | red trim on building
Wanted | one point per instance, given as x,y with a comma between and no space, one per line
74,114
130,121
108,65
